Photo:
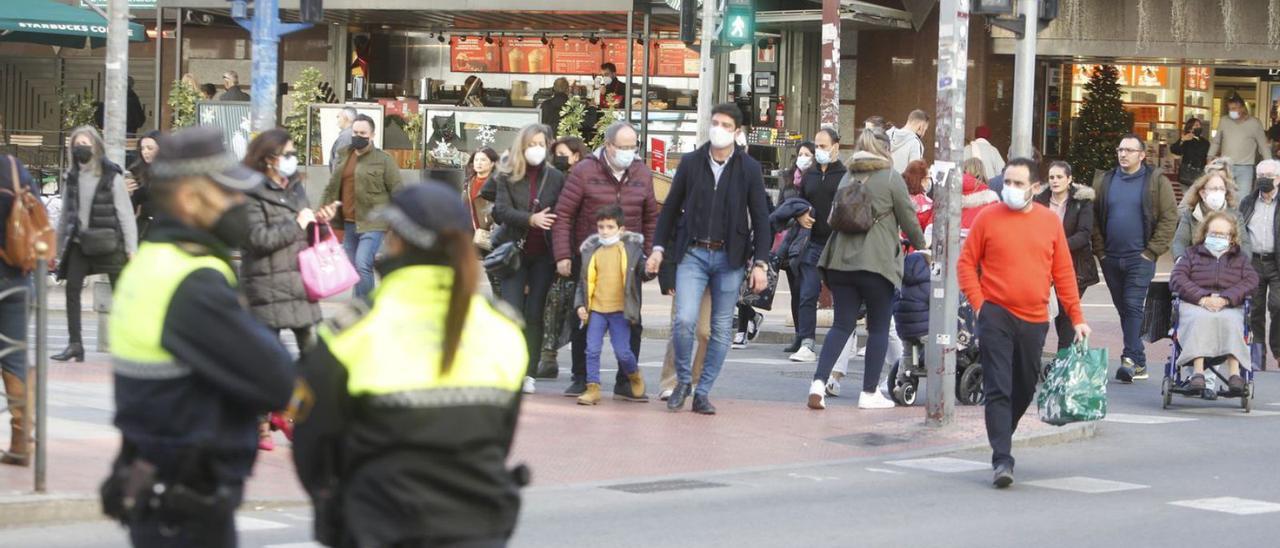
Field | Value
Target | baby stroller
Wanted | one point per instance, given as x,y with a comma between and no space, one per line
1176,378
905,380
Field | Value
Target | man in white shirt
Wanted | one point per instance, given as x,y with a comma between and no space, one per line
906,142
1258,210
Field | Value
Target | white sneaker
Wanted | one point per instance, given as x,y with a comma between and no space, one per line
874,400
817,399
833,385
806,353
529,387
739,341
665,395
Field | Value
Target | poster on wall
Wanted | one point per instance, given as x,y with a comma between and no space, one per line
1084,72
672,58
1198,78
473,54
1273,106
525,56
327,117
615,51
232,118
576,56
1149,76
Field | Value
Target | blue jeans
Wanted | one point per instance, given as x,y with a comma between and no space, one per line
1243,174
810,287
362,248
700,269
13,324
615,323
1128,280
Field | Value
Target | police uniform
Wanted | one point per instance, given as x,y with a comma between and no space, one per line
193,370
394,450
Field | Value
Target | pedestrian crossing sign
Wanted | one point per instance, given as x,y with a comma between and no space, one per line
739,23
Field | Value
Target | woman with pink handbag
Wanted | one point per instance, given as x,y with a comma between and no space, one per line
280,220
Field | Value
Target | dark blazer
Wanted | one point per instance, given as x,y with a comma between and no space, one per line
693,188
512,209
1077,223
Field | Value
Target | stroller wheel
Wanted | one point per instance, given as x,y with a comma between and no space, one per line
1166,390
905,394
970,386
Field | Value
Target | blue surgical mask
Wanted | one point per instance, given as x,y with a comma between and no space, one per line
803,162
823,157
1217,245
623,158
1014,198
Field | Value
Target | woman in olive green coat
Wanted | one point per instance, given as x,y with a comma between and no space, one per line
866,268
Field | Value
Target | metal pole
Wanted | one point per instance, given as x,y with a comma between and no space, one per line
706,70
644,86
116,93
266,30
42,367
940,349
1024,81
159,105
631,54
177,47
830,83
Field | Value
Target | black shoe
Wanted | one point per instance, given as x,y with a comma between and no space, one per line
753,327
795,346
676,401
1235,383
702,405
577,388
622,391
1197,382
74,351
1124,375
1003,476
547,369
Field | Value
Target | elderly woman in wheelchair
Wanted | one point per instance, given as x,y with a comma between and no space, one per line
1212,280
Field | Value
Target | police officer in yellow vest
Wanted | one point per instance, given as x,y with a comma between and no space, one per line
193,369
405,412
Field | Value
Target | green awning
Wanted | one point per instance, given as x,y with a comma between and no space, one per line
55,24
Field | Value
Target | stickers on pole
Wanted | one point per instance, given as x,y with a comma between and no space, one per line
944,339
939,171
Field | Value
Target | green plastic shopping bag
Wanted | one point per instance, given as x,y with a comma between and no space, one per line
1075,388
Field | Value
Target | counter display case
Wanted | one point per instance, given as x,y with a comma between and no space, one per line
454,133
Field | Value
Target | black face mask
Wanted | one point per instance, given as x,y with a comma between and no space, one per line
81,154
1197,131
561,163
232,227
359,143
1266,185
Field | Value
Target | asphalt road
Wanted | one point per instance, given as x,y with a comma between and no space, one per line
1147,479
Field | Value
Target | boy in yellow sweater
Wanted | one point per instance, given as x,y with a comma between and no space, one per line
608,299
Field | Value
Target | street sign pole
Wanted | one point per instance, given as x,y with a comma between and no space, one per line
940,349
829,114
266,29
117,76
706,70
1024,81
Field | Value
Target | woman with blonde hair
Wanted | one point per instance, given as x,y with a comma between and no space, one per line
974,167
97,230
527,189
1212,192
1213,280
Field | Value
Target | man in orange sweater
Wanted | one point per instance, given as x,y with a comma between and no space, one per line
1019,249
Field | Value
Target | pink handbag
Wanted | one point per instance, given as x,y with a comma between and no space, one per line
326,271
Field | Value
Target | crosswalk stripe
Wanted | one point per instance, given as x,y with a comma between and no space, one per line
943,465
1124,418
1230,505
1082,484
244,523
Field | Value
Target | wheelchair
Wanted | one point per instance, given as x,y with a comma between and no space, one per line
905,380
1177,378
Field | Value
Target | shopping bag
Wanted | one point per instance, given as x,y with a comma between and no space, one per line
1075,387
326,271
1157,312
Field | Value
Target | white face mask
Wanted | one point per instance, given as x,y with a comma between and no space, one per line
622,159
822,156
1014,198
287,166
611,240
803,162
1215,199
534,155
1234,115
721,137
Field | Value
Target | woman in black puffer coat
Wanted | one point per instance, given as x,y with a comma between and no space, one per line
280,219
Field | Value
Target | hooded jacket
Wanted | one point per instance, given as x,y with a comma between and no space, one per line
1200,274
976,198
878,250
911,312
905,146
1077,224
632,274
272,277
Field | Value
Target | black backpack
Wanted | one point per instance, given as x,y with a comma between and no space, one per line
851,211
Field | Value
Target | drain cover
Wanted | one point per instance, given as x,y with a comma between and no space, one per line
664,486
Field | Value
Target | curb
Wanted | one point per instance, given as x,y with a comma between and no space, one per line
32,510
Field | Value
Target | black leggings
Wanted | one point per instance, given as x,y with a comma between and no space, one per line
526,291
745,315
850,290
77,268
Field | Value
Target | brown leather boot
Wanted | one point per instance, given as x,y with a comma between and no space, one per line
19,452
591,396
635,382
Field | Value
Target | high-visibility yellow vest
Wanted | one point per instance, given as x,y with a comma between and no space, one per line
393,353
141,301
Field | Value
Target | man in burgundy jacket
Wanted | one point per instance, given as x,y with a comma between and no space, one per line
595,182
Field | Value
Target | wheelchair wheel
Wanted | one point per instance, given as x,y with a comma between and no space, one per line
905,394
1246,399
1166,390
970,386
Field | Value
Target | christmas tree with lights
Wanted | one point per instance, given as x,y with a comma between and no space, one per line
1099,126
